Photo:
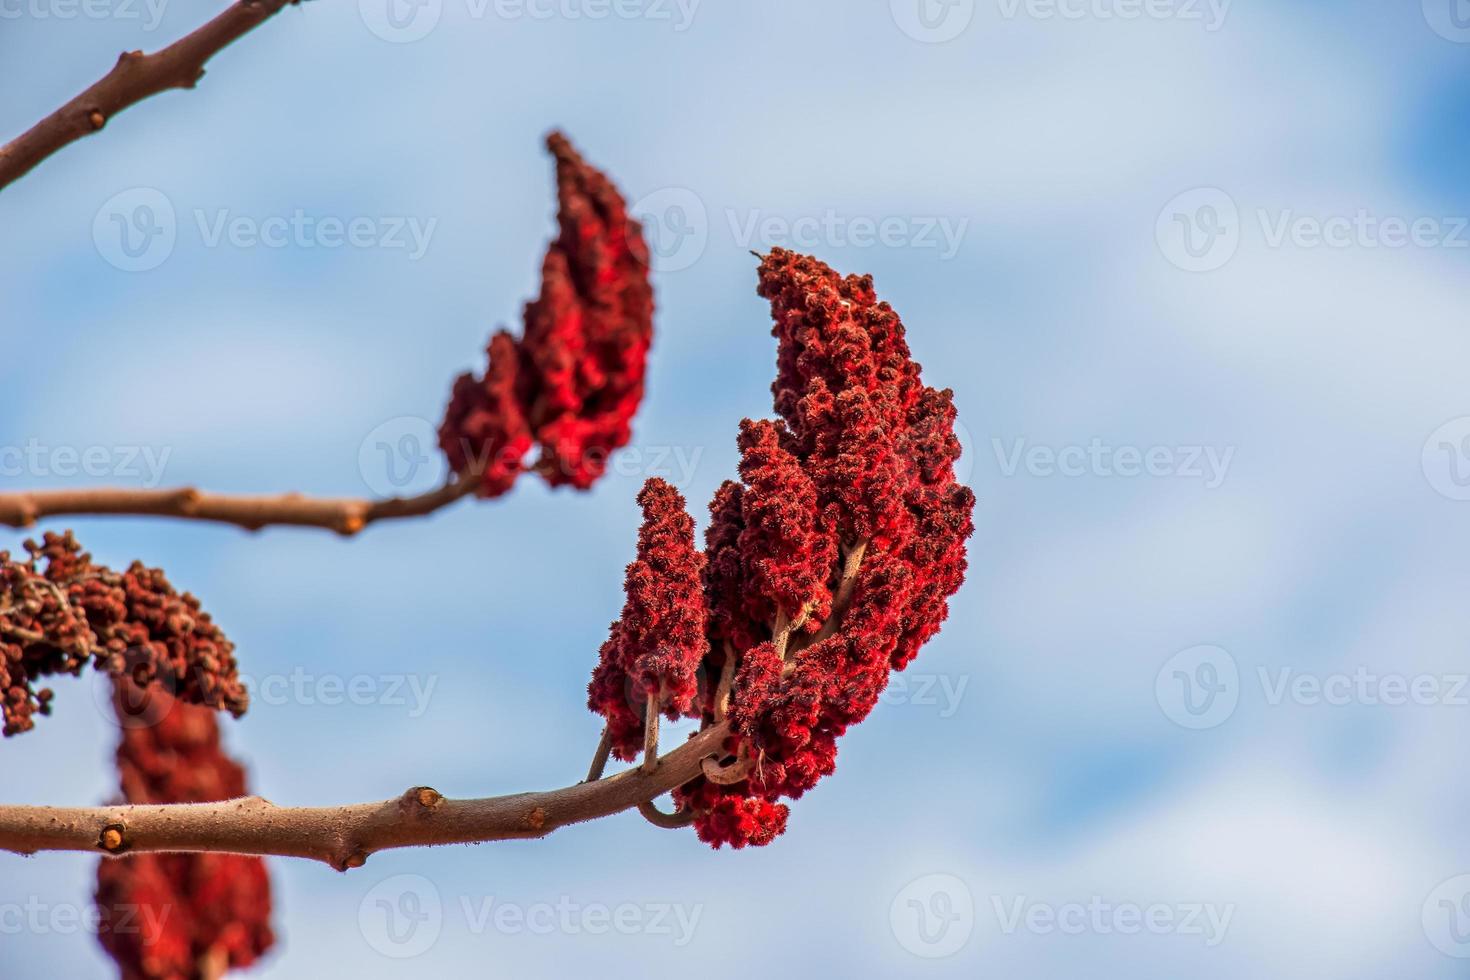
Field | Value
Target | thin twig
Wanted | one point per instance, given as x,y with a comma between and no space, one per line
650,733
852,563
599,758
668,821
134,78
344,836
345,516
727,683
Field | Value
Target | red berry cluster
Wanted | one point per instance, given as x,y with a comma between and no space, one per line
655,649
57,618
829,564
179,916
574,379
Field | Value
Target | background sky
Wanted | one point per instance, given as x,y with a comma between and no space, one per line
1198,277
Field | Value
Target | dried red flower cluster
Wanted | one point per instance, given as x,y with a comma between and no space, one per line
129,624
828,565
655,649
574,379
179,916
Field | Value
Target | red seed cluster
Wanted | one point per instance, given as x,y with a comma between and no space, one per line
57,617
574,379
654,650
179,916
833,560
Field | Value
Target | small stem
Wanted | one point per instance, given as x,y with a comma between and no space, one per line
650,733
599,758
668,821
727,683
852,563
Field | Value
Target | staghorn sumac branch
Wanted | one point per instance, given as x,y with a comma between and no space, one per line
345,836
135,77
345,516
570,384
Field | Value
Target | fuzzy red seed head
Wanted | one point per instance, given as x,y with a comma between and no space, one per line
176,916
655,649
574,380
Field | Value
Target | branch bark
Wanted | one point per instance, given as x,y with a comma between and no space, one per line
345,836
345,516
135,77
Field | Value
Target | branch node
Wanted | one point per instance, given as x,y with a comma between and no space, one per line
536,819
113,839
97,119
426,797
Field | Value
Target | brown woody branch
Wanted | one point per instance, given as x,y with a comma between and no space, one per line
345,516
345,836
134,78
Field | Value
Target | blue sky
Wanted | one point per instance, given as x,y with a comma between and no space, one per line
1197,274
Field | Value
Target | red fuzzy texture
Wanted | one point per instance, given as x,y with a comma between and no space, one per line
654,650
179,916
862,463
574,380
129,624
